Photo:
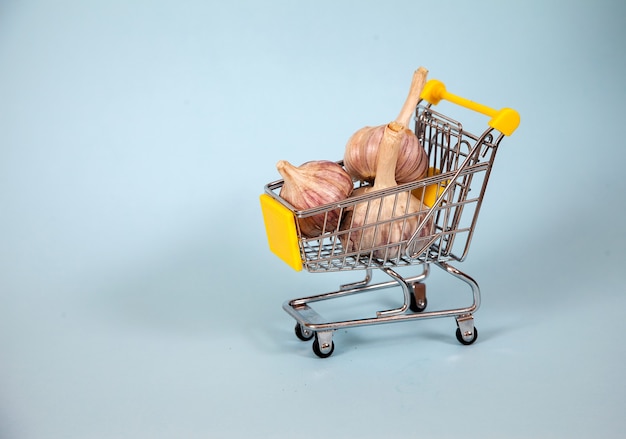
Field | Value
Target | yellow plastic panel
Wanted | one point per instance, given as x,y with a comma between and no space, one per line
280,227
432,191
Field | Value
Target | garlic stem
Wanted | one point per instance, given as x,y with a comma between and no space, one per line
388,152
417,84
285,168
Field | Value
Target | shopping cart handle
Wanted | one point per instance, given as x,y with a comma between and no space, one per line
505,120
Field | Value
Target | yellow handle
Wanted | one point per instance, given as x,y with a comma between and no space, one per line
505,120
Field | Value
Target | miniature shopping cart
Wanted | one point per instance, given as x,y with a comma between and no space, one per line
452,192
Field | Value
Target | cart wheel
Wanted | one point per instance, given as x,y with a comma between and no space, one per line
323,353
418,298
464,341
304,334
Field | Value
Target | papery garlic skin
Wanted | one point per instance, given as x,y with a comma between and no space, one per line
381,226
366,233
314,184
361,155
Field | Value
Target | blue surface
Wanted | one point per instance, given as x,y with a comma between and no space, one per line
138,298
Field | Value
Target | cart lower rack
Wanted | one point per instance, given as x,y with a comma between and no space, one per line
452,193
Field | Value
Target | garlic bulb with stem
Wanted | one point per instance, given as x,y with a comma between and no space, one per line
313,184
361,153
383,226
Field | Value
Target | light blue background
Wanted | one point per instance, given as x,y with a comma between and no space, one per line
138,298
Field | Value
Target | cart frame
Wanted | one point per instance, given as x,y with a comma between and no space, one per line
460,163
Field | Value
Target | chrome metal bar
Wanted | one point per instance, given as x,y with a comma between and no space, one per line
406,290
306,316
468,280
361,283
361,287
325,326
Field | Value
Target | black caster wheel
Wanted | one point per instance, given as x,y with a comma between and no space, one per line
304,334
327,351
418,298
461,340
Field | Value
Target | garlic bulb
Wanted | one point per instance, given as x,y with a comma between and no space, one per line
383,226
314,184
361,155
368,228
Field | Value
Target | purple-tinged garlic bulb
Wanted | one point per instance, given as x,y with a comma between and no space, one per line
314,184
361,155
384,225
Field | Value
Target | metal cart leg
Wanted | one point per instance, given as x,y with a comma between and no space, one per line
418,298
406,289
466,332
358,284
468,280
